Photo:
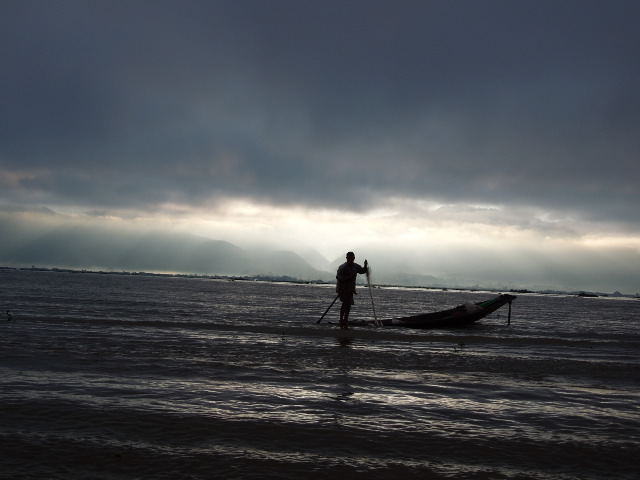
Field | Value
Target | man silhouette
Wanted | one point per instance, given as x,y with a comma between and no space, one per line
346,286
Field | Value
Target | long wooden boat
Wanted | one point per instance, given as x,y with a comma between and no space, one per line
451,318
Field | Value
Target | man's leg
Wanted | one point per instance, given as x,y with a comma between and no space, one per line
345,308
345,315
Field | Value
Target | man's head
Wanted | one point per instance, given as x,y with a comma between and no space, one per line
350,257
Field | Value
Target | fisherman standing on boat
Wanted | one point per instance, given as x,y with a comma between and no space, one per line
346,286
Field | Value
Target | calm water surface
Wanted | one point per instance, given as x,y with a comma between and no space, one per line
123,377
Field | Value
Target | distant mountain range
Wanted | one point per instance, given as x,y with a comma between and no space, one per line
79,246
43,238
46,239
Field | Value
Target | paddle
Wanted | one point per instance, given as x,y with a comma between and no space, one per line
327,310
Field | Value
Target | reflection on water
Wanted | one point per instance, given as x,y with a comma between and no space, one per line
345,341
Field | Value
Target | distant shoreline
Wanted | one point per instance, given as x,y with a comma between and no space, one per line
289,279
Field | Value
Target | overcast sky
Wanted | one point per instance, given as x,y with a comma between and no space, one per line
445,128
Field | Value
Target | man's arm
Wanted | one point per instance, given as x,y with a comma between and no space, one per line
364,268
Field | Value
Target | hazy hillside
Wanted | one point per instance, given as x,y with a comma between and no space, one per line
46,239
43,238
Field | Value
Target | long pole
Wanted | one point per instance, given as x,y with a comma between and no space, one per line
372,304
327,310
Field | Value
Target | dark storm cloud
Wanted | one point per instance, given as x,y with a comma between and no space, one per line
108,104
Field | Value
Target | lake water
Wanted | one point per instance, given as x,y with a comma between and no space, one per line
123,377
